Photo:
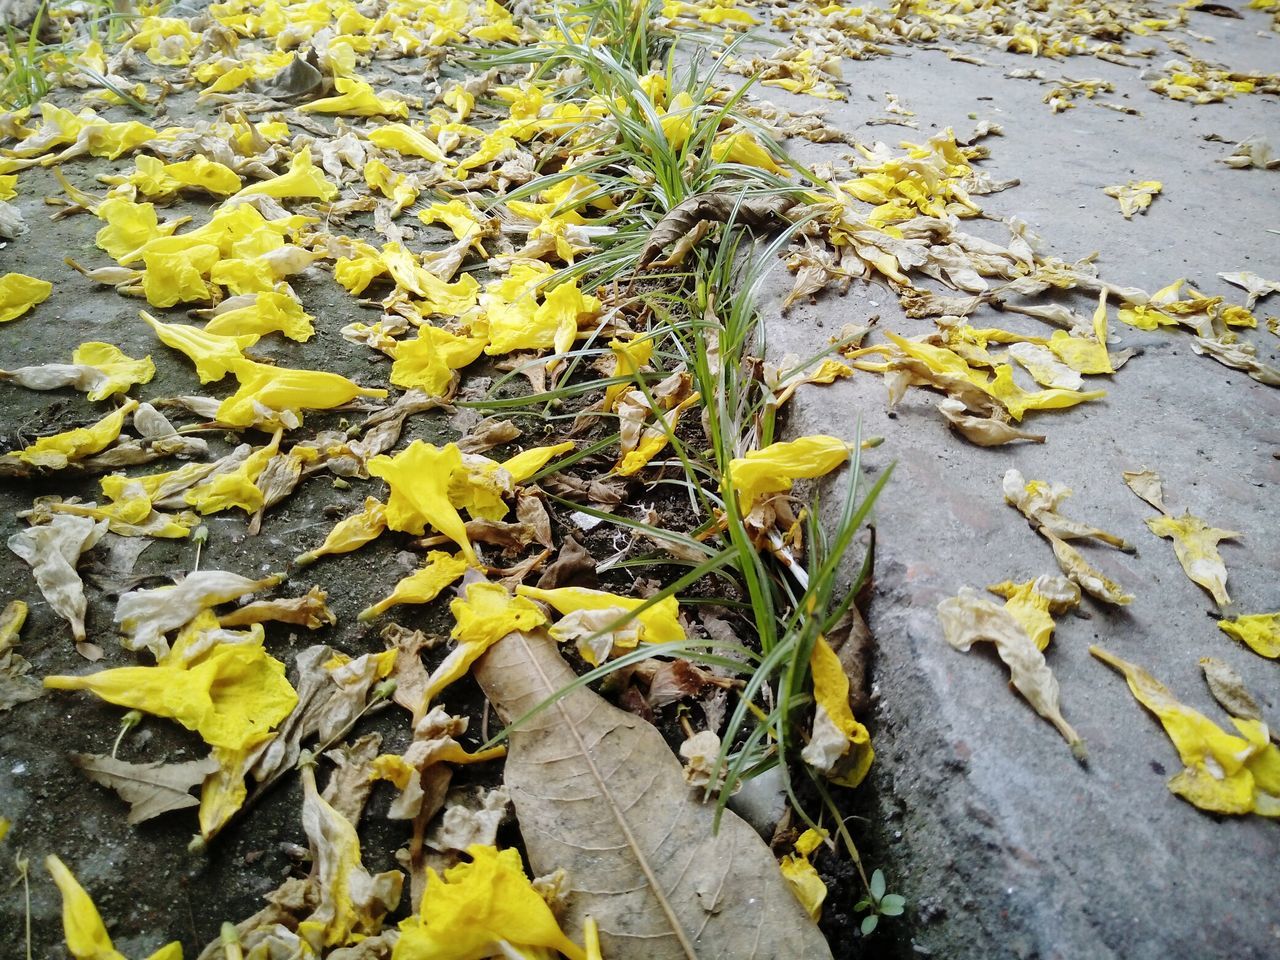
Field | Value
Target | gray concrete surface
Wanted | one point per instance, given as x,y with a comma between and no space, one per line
1005,847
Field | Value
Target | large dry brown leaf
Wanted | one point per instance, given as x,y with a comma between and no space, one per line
150,789
598,792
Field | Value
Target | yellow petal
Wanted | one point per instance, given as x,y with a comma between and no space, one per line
774,468
19,293
419,481
121,370
1260,632
61,448
1196,545
213,355
271,312
82,926
846,757
423,585
661,621
231,697
477,906
352,533
282,389
428,361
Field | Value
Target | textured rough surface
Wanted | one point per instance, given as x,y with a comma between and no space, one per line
599,793
1003,844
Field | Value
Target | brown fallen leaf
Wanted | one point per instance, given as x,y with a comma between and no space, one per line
150,789
671,882
574,567
350,784
755,213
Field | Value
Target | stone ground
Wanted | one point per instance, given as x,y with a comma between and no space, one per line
1004,844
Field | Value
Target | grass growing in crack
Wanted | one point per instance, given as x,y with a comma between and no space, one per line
704,319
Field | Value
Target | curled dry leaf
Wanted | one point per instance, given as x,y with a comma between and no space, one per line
764,213
983,431
150,789
674,882
971,617
1229,690
1147,485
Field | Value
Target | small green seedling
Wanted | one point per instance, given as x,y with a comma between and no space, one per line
880,904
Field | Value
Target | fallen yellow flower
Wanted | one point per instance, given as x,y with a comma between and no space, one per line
1260,632
356,99
407,140
270,312
1223,773
1032,602
421,586
419,480
483,908
1196,545
970,618
483,617
350,533
774,468
60,449
660,623
428,361
840,746
82,926
231,696
19,293
214,355
304,180
281,389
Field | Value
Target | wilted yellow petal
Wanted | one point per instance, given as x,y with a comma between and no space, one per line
526,463
774,468
1219,774
1196,546
62,448
82,926
356,99
802,877
1260,632
661,622
840,746
477,908
1032,602
280,389
486,615
1134,196
121,370
350,534
19,293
